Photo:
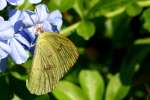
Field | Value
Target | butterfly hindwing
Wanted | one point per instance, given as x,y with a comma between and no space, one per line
54,56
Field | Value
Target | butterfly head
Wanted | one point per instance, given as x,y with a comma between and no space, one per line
39,29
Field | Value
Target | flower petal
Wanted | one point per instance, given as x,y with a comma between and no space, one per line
7,34
35,19
17,15
42,12
55,14
35,1
3,54
18,26
5,47
27,37
18,53
58,23
47,26
16,2
4,25
11,12
30,33
22,40
1,19
3,65
3,4
6,31
55,18
28,20
4,50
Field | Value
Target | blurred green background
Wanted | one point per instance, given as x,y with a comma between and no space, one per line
113,38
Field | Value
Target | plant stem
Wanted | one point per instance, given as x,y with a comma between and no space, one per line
67,31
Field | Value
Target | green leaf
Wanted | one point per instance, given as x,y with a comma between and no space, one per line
107,6
15,97
82,7
115,89
19,89
111,9
91,3
134,56
68,91
86,29
78,7
146,17
121,32
27,65
5,91
42,97
63,5
142,41
66,4
92,84
133,9
19,76
143,3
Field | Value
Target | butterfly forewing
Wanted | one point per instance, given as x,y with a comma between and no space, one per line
54,56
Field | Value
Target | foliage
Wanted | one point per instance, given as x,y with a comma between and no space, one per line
113,38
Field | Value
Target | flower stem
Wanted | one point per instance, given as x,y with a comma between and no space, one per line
67,31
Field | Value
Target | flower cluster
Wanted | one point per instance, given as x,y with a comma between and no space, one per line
19,32
3,3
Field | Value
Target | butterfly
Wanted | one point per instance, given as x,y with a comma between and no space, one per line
54,55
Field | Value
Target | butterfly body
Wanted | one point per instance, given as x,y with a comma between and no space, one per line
54,56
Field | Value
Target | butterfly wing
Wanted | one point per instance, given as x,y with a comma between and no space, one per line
54,56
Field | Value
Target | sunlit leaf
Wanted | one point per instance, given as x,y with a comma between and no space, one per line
86,29
115,89
142,41
19,76
68,91
63,5
66,4
16,98
78,6
92,84
146,17
103,7
91,3
133,9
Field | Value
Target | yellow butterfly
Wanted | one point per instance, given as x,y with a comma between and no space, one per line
54,56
